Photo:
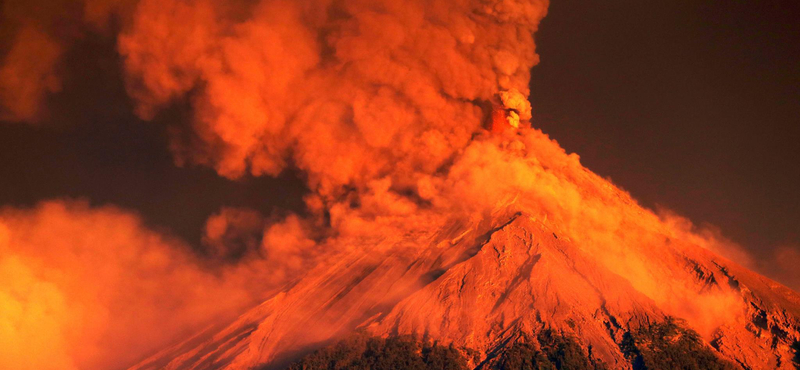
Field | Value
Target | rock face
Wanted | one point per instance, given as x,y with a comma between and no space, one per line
523,278
597,268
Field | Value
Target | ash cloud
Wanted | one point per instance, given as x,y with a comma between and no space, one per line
348,91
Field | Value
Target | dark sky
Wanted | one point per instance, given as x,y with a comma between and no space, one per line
92,147
691,105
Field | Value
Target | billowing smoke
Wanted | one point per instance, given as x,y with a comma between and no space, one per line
384,106
348,91
93,288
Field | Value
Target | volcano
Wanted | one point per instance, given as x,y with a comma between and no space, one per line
429,223
594,267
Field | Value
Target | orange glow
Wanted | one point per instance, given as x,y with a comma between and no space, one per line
381,104
84,288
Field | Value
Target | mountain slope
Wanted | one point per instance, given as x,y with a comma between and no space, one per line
522,279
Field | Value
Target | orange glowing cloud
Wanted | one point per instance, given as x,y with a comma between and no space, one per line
92,288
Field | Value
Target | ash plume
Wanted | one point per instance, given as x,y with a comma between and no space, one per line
347,91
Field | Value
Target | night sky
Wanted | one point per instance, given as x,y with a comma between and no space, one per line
693,106
689,106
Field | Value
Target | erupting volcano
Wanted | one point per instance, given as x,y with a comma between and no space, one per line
437,212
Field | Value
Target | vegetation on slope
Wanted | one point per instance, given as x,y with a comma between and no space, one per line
669,345
548,351
395,353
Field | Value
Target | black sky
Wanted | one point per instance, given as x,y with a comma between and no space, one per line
92,147
691,105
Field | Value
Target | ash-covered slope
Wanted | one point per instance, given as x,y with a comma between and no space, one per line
548,246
